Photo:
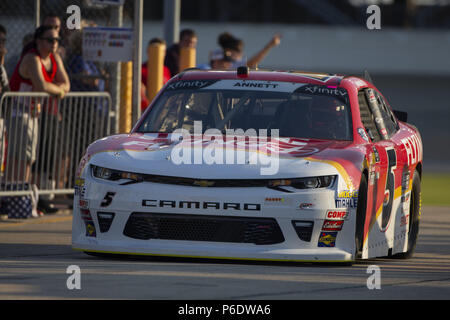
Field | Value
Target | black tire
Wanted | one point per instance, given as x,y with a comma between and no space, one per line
360,215
414,217
101,255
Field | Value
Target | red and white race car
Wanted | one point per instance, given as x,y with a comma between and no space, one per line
257,165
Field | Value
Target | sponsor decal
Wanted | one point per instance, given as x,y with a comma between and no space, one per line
255,85
305,205
413,149
189,84
347,199
376,154
201,205
405,197
363,134
339,93
373,175
84,204
346,203
90,229
348,194
332,225
337,215
79,188
247,84
327,239
274,199
404,220
88,222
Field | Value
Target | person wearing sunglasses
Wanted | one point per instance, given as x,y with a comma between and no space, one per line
54,21
40,69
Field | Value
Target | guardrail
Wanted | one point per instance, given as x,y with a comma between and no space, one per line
42,139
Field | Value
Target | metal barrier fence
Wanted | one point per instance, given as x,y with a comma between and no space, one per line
42,138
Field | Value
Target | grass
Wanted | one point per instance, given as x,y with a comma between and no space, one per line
436,189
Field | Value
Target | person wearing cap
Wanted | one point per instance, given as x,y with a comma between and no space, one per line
219,59
236,47
188,39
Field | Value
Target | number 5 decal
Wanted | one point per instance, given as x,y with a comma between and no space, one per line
390,188
107,199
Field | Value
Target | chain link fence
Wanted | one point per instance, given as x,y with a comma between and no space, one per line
20,18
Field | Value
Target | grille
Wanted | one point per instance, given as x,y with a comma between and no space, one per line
104,220
220,183
304,229
145,226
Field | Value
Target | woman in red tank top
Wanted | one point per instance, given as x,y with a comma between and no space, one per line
39,69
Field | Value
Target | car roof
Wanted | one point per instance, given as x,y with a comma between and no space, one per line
264,75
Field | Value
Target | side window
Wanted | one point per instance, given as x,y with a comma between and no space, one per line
367,117
386,113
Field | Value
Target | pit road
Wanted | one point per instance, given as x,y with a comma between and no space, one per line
35,254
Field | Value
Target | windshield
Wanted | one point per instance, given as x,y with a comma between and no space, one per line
297,110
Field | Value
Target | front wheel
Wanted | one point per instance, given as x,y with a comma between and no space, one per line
360,216
414,217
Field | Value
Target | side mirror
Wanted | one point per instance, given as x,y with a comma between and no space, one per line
401,115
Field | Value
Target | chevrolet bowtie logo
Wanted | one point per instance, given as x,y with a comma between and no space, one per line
203,183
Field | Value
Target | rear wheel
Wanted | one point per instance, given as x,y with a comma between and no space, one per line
414,216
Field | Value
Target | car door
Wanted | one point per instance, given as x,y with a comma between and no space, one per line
384,160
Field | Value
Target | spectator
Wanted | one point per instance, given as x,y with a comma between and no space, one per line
188,39
236,46
54,21
218,60
85,75
4,82
144,72
39,69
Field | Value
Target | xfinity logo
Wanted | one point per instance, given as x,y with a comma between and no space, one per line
201,205
332,91
193,84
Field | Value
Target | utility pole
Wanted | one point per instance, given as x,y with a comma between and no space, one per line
172,9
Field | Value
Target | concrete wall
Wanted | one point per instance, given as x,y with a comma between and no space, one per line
331,49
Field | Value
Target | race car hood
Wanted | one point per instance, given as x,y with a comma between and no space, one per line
208,157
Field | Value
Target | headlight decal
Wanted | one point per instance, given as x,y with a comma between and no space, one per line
339,167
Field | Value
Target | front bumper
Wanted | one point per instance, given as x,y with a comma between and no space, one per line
152,199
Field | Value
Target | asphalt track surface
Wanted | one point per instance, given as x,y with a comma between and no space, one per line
35,254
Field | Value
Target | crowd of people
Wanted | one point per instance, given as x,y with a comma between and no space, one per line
51,61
